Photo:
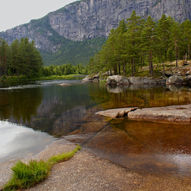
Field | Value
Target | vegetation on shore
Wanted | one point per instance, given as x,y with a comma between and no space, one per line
139,42
21,63
21,58
62,77
27,175
7,81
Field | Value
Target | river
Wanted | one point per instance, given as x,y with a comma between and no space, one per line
33,116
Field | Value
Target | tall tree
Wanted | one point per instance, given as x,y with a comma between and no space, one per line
175,39
186,37
163,33
149,41
133,35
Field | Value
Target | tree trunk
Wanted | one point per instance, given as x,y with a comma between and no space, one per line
188,52
119,68
163,66
132,67
115,70
151,63
176,57
124,69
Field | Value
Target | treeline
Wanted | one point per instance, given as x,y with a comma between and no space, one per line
21,58
64,69
138,42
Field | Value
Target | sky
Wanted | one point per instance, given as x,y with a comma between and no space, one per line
17,12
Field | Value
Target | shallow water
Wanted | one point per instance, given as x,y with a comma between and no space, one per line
69,112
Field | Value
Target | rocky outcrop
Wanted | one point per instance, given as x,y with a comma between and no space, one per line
89,19
117,80
116,113
175,80
146,81
179,80
90,78
170,114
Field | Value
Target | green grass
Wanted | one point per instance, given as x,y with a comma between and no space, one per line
63,77
27,175
7,81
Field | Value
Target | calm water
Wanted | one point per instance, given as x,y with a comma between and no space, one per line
33,115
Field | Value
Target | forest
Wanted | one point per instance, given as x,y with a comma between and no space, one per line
21,58
63,69
139,42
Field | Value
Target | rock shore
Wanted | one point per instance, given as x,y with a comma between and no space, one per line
118,80
170,114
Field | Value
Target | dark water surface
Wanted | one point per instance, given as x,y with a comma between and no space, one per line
34,115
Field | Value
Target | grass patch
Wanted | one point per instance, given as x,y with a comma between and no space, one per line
27,175
6,81
63,77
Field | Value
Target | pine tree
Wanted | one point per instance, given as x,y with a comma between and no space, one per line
186,37
133,35
149,41
163,33
175,39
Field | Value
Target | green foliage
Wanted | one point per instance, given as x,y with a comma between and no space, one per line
140,42
28,175
63,70
20,58
72,52
62,77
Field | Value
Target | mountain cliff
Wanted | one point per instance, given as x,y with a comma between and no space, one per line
75,32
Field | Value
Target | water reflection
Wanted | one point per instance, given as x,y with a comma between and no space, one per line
20,104
139,96
17,141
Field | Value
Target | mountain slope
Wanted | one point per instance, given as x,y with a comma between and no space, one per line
60,32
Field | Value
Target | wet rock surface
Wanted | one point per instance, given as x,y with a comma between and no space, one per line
116,113
172,114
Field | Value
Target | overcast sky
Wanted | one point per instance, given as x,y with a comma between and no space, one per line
16,12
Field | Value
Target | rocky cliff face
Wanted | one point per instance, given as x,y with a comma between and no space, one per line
89,19
92,18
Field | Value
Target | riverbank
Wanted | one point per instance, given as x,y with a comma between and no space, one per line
169,75
8,81
86,171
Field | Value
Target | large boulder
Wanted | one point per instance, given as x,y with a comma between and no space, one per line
117,80
177,80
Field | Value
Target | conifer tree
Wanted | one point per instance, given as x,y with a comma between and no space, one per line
133,35
149,41
175,40
186,37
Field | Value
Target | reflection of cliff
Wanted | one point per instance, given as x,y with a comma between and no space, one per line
62,109
20,105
